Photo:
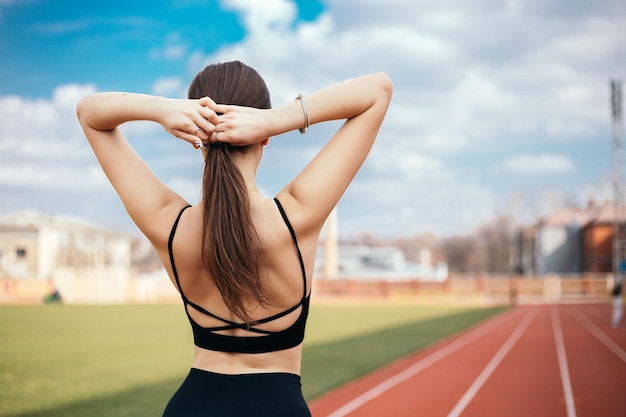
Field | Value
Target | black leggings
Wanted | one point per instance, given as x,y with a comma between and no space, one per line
208,394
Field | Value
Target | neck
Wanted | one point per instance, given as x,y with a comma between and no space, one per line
248,165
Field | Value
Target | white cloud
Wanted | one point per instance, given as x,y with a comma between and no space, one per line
41,144
88,23
408,165
523,82
260,16
42,130
173,87
173,48
470,79
537,164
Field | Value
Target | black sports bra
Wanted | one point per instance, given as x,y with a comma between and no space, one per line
271,341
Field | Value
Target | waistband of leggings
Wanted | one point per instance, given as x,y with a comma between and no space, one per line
287,375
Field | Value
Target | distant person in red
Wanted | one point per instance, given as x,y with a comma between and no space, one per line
242,262
618,303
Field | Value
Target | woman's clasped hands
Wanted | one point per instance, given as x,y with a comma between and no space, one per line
202,121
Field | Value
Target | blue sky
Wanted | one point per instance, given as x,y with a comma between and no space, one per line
500,107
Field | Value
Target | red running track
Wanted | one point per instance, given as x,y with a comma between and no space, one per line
540,361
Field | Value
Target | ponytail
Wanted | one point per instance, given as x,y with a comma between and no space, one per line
231,248
230,244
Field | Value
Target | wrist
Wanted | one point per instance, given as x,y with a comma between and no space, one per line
156,108
305,112
291,116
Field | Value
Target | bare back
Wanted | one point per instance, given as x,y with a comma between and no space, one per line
283,279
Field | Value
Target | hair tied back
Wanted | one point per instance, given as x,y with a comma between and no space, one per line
219,145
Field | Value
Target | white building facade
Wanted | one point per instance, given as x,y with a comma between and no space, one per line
86,264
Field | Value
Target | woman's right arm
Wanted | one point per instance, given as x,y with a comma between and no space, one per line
361,101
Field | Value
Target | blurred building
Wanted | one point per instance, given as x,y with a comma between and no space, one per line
85,263
558,242
382,261
569,241
597,240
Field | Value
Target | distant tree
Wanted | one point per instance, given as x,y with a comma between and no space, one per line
459,252
499,239
490,249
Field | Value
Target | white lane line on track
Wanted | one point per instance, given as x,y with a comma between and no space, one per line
599,334
493,364
418,366
560,350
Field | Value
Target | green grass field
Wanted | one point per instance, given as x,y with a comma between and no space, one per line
119,361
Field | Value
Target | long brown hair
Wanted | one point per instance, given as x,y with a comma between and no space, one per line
230,244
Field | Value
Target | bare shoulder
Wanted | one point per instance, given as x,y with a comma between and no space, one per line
299,221
269,223
302,218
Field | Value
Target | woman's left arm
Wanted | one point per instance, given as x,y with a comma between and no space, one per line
144,196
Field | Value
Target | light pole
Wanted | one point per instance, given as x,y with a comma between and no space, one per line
619,225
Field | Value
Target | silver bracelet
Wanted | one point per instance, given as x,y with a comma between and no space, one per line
307,122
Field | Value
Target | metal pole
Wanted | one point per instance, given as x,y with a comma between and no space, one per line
619,228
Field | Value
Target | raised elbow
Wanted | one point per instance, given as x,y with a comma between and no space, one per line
81,108
385,84
382,88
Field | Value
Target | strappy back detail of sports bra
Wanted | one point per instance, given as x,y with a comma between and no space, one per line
207,338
